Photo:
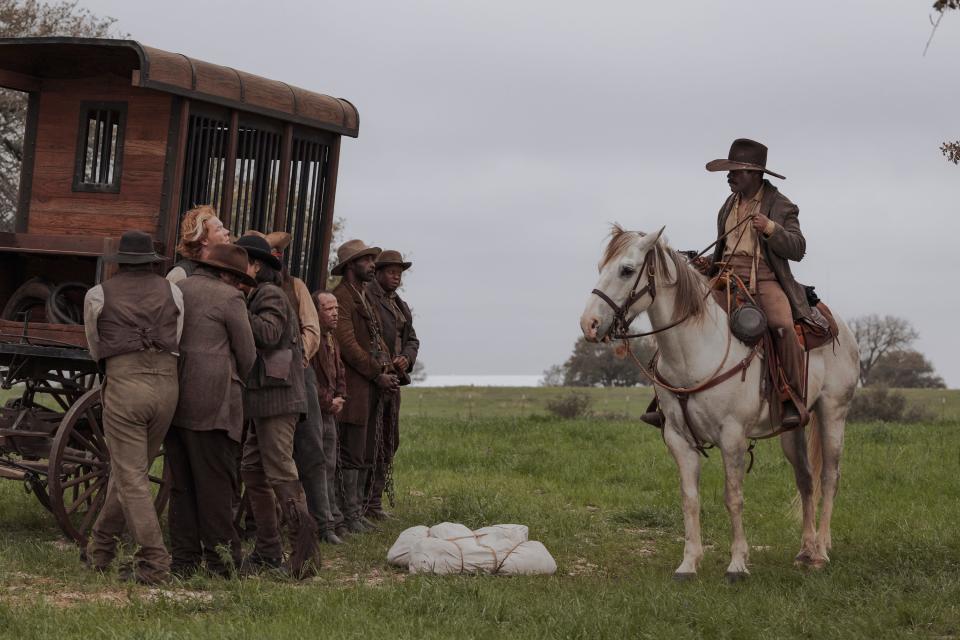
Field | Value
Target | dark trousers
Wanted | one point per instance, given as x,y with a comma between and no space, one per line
309,455
389,442
203,465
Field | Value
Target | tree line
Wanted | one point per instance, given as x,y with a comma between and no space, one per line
887,358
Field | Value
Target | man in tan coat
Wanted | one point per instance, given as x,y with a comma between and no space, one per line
133,323
202,447
369,373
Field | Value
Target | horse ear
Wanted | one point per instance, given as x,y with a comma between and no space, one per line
651,239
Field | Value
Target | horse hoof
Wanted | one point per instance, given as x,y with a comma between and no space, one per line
806,561
684,576
734,577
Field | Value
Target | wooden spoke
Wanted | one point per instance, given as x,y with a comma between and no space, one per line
86,495
80,479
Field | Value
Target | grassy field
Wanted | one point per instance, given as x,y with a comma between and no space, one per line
602,495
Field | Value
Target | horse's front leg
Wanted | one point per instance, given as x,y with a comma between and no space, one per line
688,463
733,467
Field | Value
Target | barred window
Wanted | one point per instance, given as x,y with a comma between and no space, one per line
205,162
256,178
100,147
308,169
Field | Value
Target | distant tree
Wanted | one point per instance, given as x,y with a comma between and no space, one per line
905,368
596,363
22,18
419,372
877,337
552,376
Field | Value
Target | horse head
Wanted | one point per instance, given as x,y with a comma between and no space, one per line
622,292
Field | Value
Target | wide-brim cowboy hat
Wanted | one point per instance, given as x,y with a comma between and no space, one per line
259,249
230,258
278,240
352,250
746,155
135,247
392,257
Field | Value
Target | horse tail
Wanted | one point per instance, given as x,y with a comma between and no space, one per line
815,459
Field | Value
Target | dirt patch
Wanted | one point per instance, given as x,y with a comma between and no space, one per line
373,578
582,567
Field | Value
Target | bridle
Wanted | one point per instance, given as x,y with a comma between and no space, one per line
618,330
620,322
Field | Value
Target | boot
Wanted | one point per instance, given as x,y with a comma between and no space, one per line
364,499
330,537
790,416
653,416
351,501
268,548
305,552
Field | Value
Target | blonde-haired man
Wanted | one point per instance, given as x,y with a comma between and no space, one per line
200,230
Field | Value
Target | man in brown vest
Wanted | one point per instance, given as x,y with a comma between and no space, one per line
369,374
758,252
396,322
133,323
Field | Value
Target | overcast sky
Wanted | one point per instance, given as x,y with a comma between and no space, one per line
499,138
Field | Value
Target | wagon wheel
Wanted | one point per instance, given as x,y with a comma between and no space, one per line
79,468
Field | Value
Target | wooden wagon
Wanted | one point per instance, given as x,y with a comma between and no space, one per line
122,136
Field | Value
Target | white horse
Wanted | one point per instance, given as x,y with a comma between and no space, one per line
699,348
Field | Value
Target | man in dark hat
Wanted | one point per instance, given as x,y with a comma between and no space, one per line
203,445
274,402
133,323
369,373
759,252
396,323
308,441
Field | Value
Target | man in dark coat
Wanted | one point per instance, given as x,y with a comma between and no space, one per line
369,373
758,252
396,322
133,323
202,447
274,403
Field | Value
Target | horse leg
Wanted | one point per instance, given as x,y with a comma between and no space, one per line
688,464
794,448
733,472
832,417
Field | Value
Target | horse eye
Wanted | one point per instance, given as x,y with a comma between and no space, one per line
627,271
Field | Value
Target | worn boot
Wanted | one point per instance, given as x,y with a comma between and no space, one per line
329,536
268,548
305,552
364,497
351,502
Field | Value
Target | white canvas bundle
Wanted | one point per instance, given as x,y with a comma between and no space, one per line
450,548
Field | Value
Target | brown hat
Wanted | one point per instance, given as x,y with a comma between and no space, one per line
391,256
135,247
278,240
744,154
350,251
230,258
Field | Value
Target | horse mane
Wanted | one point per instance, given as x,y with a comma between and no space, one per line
691,290
690,298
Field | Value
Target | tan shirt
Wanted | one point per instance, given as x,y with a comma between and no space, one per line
743,242
309,320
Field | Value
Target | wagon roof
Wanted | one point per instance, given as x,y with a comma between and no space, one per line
40,58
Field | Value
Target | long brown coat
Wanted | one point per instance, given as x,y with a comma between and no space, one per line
354,337
216,354
276,330
784,244
409,343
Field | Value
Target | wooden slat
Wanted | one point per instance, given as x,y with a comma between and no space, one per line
19,81
329,198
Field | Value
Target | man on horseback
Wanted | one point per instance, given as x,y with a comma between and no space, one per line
758,252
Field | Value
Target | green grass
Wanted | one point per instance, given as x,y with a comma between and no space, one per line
602,495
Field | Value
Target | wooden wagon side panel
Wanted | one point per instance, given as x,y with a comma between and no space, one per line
55,207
